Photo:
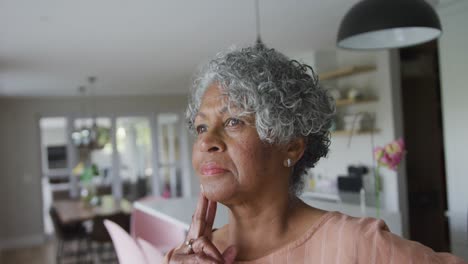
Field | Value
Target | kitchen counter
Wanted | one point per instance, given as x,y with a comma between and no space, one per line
179,211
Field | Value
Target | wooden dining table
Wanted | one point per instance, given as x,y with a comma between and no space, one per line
73,211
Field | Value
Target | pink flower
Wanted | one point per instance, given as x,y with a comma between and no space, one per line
378,153
391,154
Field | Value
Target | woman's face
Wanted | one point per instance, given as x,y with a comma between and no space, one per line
232,162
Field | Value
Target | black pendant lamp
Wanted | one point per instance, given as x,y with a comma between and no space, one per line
384,24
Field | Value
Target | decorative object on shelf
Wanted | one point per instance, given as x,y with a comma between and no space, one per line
383,24
354,94
356,124
335,93
389,157
90,137
352,122
367,122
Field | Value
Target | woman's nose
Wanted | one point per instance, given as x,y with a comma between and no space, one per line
212,142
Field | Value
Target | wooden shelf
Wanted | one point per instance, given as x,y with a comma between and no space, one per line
343,102
347,71
348,132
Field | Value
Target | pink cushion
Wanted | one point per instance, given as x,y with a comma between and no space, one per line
128,251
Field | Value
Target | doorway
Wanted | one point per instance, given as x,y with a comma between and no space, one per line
422,120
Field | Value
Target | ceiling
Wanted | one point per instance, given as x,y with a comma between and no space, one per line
50,47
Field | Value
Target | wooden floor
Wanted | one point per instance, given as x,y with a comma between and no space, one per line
45,254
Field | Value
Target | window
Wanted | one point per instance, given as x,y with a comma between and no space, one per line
135,151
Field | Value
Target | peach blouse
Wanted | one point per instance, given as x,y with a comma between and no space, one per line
339,238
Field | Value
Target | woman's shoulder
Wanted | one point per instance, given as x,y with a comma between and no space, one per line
361,226
343,229
371,241
337,224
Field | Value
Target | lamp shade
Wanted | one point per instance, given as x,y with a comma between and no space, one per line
382,24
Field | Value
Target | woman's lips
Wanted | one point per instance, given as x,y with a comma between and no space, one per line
212,169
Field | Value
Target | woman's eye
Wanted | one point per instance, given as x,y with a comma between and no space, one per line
232,122
200,129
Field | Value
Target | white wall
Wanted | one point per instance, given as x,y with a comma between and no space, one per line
453,52
20,163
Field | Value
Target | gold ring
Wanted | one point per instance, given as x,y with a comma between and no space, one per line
189,243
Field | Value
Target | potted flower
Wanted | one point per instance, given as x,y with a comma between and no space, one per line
388,156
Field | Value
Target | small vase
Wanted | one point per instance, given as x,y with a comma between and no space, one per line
377,192
88,192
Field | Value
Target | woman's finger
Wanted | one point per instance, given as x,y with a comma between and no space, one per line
198,220
210,217
204,245
183,249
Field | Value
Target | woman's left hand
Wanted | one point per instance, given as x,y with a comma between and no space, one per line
198,247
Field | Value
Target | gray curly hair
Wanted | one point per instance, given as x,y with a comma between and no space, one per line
283,95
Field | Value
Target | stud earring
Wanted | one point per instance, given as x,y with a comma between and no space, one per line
288,163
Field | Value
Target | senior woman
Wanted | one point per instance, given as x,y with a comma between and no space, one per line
261,120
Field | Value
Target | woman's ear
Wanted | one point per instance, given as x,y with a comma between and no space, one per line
295,149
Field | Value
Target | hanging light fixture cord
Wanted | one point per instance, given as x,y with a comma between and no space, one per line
92,86
82,93
257,18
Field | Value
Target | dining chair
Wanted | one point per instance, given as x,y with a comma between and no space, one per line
158,232
67,233
151,254
103,190
58,195
127,249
